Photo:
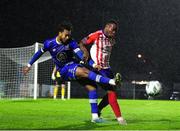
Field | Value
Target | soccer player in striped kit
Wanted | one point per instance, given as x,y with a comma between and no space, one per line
102,42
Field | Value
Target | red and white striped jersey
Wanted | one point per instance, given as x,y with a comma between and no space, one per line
101,48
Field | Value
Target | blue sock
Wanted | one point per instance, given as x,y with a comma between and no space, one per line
98,78
93,101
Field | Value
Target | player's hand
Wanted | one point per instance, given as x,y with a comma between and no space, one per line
97,67
26,69
85,57
53,76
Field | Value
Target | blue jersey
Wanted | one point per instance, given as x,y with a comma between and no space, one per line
63,56
61,53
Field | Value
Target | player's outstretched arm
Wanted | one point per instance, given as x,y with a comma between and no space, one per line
85,52
36,56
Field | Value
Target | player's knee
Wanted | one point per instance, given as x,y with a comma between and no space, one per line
85,72
82,72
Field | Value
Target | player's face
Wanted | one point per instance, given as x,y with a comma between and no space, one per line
110,30
65,36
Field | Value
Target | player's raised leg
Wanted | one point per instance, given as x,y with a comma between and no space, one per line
82,72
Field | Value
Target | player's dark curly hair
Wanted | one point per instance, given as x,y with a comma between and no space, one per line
65,25
112,21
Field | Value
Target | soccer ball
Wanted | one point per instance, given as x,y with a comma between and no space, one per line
153,88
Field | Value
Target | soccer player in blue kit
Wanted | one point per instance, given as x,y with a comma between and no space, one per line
62,49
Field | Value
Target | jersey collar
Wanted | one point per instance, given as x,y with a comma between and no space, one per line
58,42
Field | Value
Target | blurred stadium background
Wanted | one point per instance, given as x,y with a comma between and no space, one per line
38,83
149,29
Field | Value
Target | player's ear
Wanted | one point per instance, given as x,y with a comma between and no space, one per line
60,34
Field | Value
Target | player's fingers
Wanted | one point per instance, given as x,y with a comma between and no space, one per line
85,59
23,70
26,70
99,68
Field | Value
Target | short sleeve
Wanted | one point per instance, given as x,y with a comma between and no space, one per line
73,44
90,38
46,46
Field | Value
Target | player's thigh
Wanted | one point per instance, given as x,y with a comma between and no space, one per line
82,72
68,72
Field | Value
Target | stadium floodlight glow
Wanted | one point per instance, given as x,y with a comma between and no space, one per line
139,82
139,56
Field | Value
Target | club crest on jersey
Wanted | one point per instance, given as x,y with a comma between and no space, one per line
54,50
62,56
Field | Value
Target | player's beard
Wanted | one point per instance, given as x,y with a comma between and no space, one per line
64,42
109,35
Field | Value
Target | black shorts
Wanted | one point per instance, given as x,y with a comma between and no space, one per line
85,82
107,73
59,80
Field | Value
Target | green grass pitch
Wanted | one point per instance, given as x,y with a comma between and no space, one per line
74,114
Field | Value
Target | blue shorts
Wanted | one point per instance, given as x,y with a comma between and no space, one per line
69,70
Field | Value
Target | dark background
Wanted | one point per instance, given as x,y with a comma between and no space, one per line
147,27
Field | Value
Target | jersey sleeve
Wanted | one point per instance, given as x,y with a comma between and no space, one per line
75,47
38,54
46,46
73,44
90,38
35,57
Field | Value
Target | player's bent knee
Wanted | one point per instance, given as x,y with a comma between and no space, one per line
82,72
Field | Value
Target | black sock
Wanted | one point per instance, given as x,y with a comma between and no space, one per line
104,102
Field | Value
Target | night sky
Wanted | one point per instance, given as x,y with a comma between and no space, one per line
148,27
